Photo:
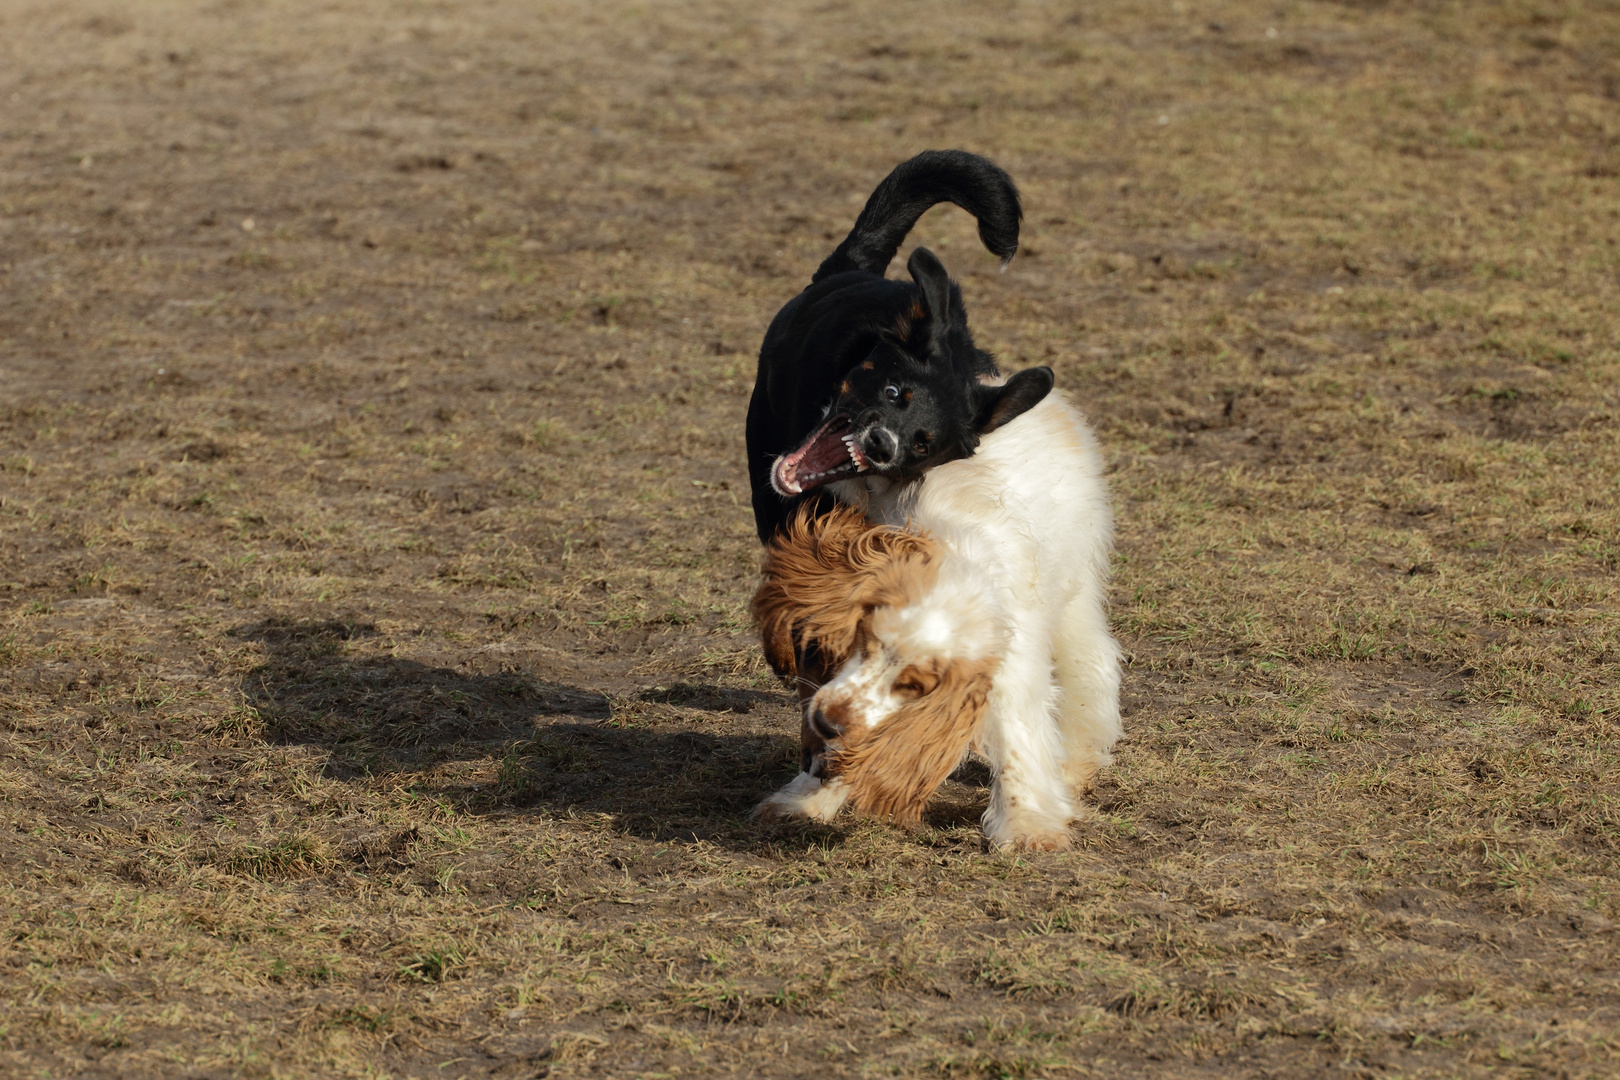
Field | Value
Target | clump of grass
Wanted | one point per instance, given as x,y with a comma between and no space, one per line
433,965
1031,972
994,1066
366,1019
304,853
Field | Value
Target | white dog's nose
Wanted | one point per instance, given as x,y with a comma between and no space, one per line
822,726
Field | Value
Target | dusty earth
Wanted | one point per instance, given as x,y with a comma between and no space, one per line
377,694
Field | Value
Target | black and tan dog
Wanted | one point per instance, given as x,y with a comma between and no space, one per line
865,381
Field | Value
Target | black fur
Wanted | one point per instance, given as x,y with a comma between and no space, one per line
978,185
895,358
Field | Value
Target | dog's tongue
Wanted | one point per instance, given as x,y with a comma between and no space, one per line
826,455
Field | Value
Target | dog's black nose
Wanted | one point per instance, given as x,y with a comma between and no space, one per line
880,446
822,726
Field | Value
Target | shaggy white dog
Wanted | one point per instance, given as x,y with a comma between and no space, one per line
1016,593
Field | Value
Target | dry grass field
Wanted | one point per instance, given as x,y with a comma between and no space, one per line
377,693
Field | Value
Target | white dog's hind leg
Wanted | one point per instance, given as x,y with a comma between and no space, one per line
805,797
1088,675
1030,802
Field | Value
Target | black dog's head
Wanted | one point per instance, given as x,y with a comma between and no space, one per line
915,401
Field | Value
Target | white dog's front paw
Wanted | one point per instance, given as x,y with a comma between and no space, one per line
1036,841
805,798
1023,831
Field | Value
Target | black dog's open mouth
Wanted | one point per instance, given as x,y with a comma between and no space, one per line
828,454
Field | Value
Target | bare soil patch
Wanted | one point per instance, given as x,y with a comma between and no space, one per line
377,694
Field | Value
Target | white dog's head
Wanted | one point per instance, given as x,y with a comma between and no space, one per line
894,646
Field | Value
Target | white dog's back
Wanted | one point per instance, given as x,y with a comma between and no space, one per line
1030,506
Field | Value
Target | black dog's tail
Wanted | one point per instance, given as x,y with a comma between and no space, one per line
978,185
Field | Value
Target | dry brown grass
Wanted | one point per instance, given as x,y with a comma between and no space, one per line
376,690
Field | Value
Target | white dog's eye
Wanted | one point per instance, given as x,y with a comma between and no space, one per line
909,689
892,392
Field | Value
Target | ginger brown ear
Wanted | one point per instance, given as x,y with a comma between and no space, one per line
998,406
892,769
807,550
824,576
775,618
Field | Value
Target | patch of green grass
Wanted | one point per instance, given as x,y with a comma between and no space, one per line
304,853
433,965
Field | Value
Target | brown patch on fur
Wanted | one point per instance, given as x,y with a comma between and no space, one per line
824,576
907,320
892,769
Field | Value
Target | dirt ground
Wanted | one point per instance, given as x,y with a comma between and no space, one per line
377,691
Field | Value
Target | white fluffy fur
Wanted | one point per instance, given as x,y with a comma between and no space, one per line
1026,520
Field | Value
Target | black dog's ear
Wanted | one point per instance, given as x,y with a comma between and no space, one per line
935,284
995,406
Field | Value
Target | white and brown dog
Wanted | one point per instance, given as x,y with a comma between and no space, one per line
974,613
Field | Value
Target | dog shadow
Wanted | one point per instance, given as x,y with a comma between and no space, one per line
557,748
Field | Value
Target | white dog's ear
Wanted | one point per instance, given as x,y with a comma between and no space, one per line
996,406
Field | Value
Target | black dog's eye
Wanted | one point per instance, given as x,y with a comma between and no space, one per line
892,392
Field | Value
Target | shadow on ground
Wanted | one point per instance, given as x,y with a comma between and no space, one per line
559,748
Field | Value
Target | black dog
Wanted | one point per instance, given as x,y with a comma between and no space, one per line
862,375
